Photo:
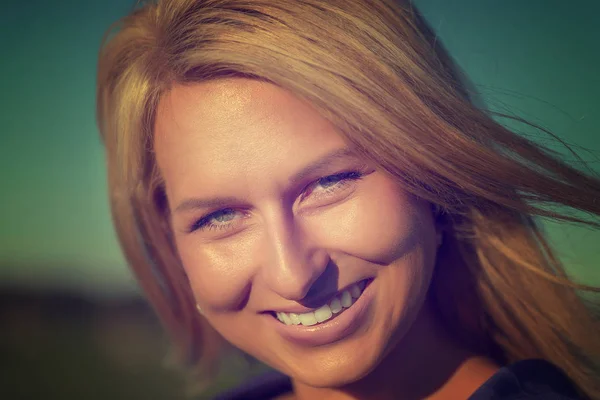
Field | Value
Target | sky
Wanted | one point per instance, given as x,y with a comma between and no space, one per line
536,59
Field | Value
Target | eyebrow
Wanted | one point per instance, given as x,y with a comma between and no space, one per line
311,169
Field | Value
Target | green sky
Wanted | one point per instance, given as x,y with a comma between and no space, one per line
536,59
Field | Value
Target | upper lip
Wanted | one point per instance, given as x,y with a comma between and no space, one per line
318,301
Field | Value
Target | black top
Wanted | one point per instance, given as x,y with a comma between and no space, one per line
526,379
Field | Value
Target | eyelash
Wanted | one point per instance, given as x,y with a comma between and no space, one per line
344,178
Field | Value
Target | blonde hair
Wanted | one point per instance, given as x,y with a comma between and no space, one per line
375,70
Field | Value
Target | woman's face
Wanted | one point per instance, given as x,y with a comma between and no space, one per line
272,213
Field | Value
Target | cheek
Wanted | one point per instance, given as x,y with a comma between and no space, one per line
380,224
219,274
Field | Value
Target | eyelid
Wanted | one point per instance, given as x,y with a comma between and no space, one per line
343,181
362,168
199,224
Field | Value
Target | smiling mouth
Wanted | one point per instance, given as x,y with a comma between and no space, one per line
332,309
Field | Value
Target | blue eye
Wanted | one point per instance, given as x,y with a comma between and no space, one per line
222,217
333,180
323,187
331,183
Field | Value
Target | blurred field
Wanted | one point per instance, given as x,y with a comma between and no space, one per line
61,346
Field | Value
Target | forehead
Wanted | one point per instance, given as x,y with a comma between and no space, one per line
236,128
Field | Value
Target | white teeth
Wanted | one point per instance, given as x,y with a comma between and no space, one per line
335,305
308,319
295,319
323,313
355,291
346,299
286,319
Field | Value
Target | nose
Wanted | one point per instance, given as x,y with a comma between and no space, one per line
293,262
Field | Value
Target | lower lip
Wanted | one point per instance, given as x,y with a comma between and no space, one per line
330,331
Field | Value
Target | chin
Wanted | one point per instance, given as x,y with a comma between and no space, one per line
337,368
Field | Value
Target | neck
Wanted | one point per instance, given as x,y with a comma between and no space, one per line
425,364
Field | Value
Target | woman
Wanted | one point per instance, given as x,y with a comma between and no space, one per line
311,181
